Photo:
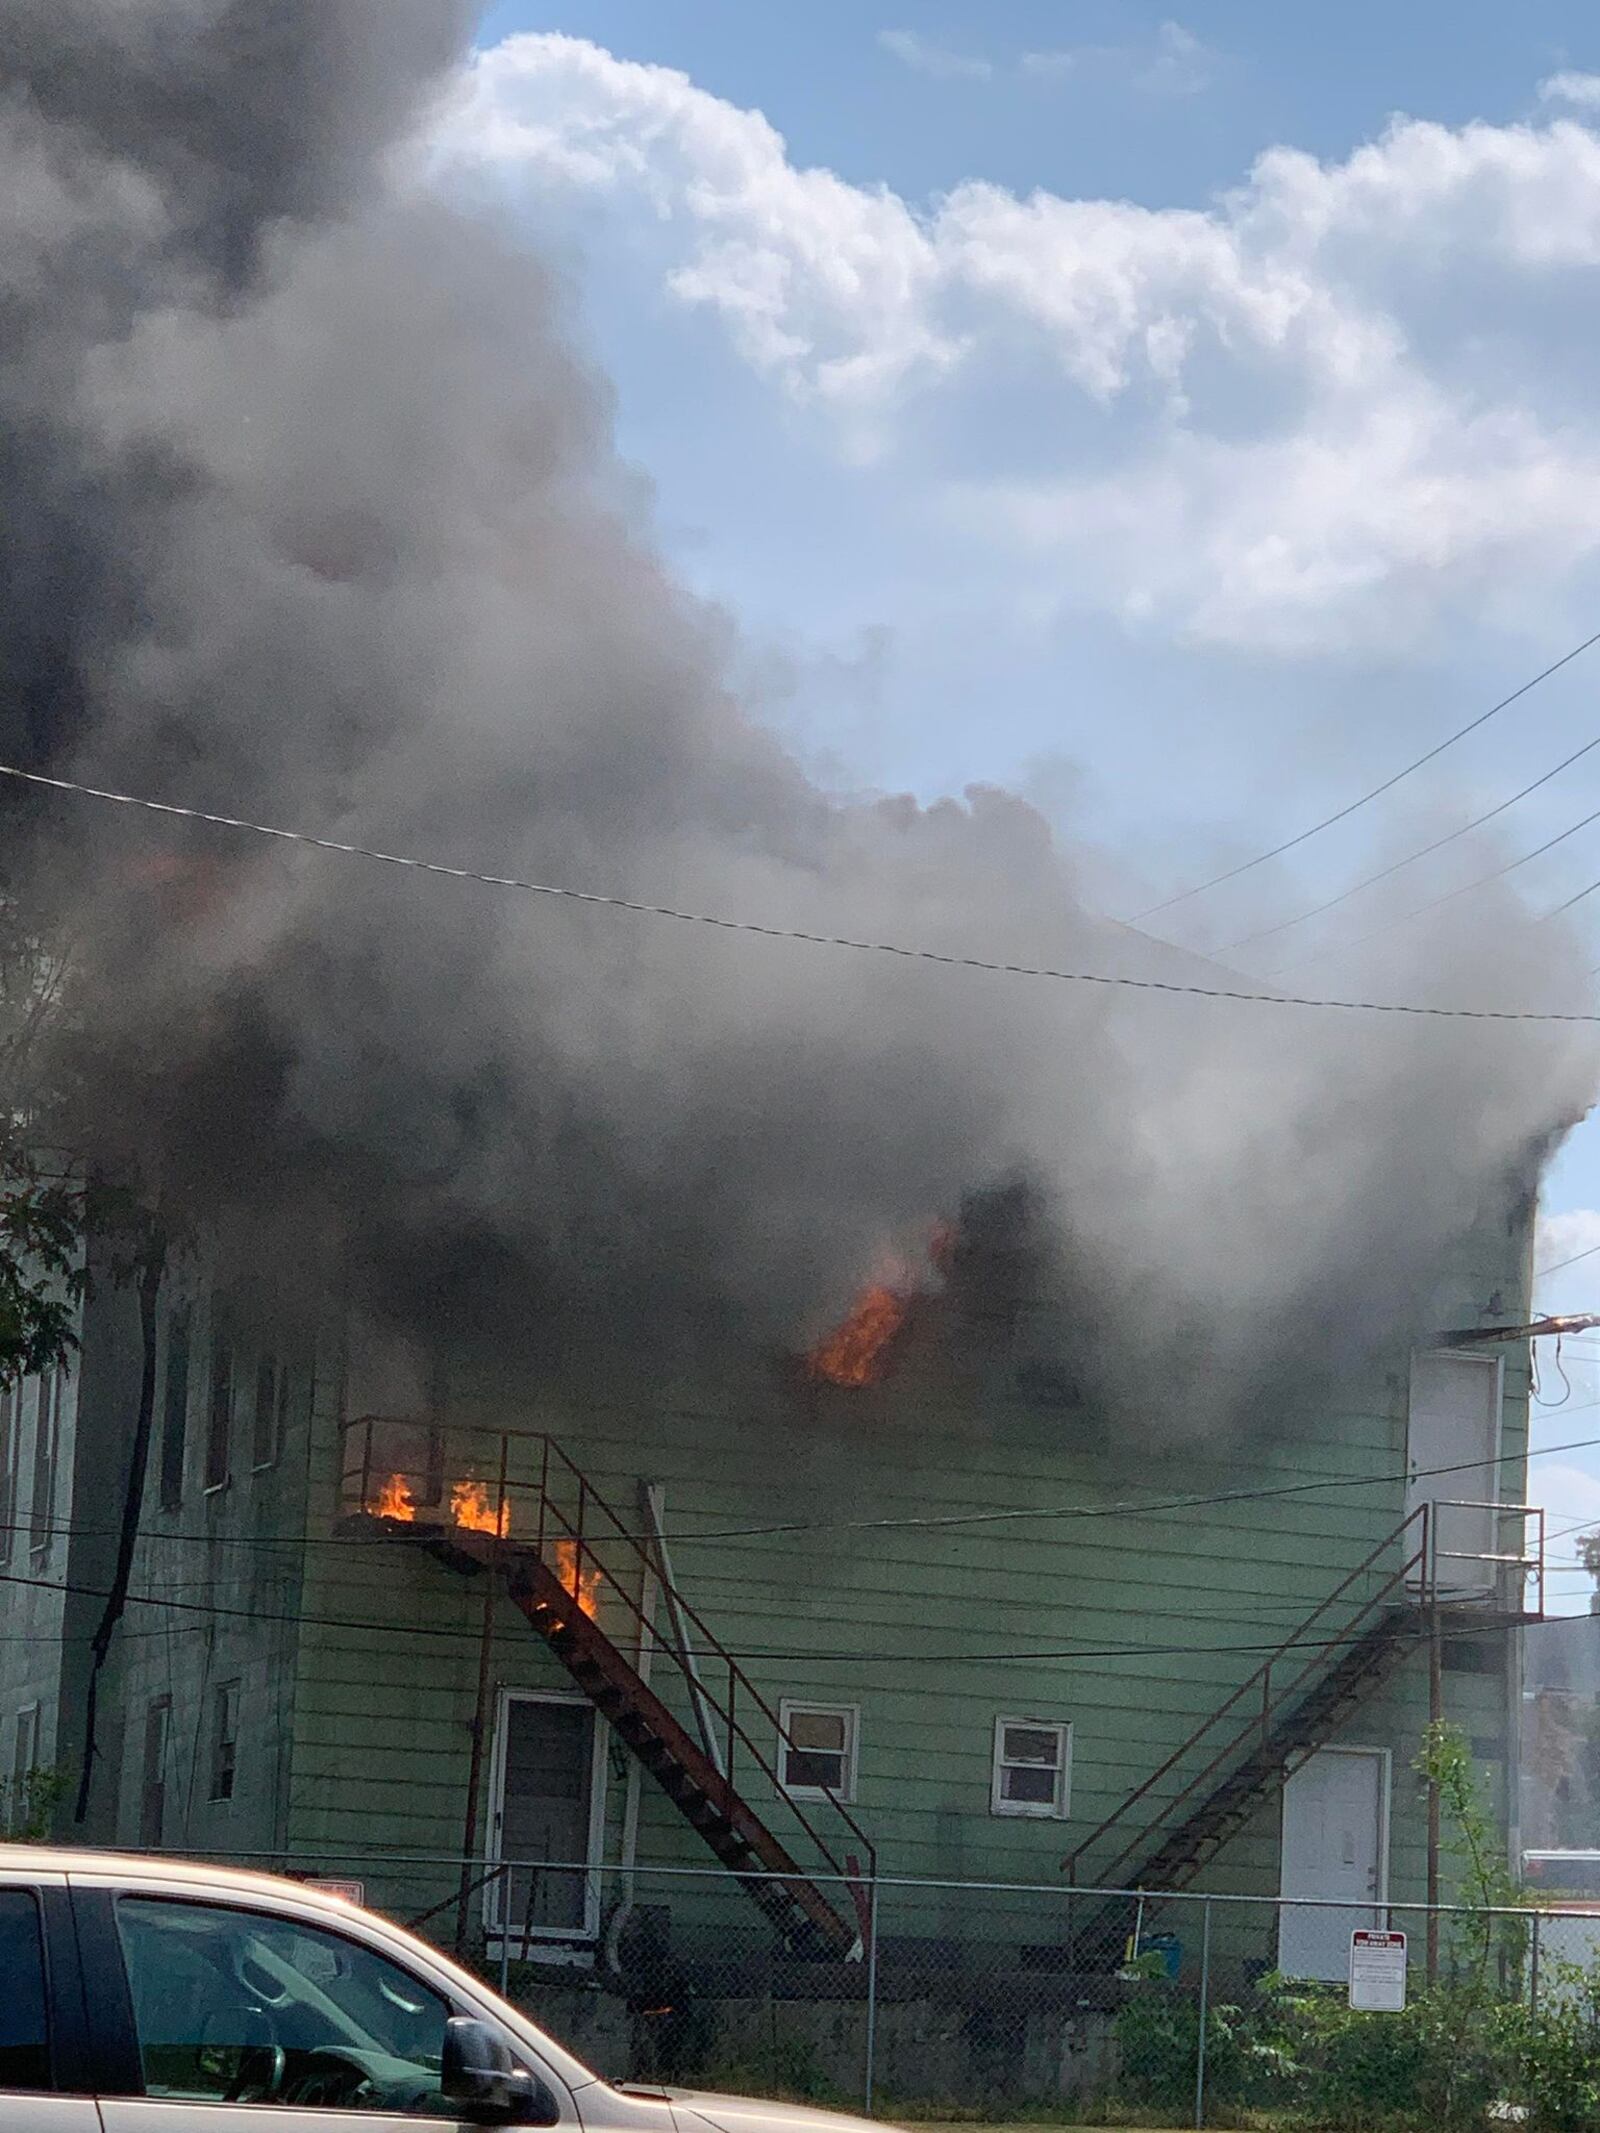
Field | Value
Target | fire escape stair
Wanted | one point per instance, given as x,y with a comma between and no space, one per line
779,1887
1291,1735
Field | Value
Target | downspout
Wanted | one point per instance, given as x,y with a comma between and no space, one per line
680,1634
652,1503
150,1266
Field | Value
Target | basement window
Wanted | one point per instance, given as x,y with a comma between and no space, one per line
1032,1768
817,1749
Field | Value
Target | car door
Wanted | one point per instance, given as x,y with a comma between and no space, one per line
212,2015
46,2081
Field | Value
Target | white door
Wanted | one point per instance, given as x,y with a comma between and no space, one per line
1333,1841
1455,1424
549,1771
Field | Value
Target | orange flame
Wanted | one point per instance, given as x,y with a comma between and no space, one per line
395,1500
470,1508
857,1350
584,1584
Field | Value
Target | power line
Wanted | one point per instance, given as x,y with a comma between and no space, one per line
413,1631
1263,933
789,933
1377,792
1433,903
1131,1507
1571,900
1539,1272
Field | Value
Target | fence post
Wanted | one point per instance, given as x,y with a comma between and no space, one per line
1205,2006
1533,1969
872,1998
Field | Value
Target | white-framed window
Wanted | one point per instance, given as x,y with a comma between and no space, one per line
46,1462
10,1466
1032,1768
817,1748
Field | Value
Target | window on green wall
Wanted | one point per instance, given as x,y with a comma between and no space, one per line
224,1739
219,1413
175,1411
271,1409
10,1466
1032,1770
817,1749
153,1773
46,1465
24,1761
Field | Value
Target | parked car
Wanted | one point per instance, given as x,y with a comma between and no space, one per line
145,1996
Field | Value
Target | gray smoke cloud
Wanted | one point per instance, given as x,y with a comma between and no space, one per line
311,515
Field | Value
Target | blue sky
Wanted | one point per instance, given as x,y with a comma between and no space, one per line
1183,416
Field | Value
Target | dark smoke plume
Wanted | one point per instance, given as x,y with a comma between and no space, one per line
310,514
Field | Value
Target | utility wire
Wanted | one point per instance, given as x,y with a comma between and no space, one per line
1264,933
789,933
1377,792
1571,900
1130,1507
1556,1266
1321,955
413,1631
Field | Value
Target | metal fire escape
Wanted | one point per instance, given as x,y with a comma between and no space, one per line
573,1568
1390,1606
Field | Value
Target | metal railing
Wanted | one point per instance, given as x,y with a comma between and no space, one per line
575,1531
1273,1692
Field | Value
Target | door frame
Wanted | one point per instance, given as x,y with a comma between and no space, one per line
1496,1363
1385,1761
496,1925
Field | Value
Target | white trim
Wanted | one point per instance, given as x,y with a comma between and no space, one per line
1379,1904
539,1939
808,1706
1059,1806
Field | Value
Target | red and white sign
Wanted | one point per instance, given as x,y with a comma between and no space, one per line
352,1891
1378,1972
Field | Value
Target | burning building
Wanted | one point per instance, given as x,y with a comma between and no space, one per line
558,1380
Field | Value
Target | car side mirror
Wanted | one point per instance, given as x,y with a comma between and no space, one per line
479,2076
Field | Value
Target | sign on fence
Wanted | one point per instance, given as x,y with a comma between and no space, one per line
1378,1972
352,1891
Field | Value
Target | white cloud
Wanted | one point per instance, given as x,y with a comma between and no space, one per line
1335,408
1177,64
1181,65
1581,90
925,57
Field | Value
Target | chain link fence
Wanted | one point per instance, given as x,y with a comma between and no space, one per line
985,2002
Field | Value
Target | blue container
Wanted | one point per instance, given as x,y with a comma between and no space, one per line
1167,1947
